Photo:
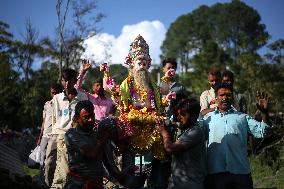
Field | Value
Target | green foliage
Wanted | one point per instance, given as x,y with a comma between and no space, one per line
29,171
21,99
264,176
117,71
91,76
214,35
154,74
226,36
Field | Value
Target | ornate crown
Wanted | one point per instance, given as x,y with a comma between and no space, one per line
138,47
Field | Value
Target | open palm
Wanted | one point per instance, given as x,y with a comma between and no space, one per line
86,65
262,101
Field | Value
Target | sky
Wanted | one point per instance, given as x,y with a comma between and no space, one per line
125,19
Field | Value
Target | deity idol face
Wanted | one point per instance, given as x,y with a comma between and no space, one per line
140,63
140,72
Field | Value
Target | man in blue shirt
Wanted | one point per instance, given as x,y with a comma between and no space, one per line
227,131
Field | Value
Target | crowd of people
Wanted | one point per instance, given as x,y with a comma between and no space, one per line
87,138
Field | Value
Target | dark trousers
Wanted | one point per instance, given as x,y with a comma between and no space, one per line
79,183
228,180
160,174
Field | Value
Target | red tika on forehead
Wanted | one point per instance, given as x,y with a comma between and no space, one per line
179,111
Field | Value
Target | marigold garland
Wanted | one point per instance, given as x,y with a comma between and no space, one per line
146,138
138,124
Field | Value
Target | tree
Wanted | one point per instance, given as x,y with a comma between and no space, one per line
69,48
25,52
10,97
217,36
117,71
277,47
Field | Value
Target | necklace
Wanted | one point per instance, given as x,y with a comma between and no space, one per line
167,80
140,95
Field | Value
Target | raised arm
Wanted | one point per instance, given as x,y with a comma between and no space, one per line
108,160
256,128
262,105
85,67
108,82
73,138
169,146
203,101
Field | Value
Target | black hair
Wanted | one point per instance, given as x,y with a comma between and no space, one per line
85,104
171,61
190,105
223,85
72,91
216,72
98,80
69,74
228,73
56,87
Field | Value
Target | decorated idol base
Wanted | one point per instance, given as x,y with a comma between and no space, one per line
138,125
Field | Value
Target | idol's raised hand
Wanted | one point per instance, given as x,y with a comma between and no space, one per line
104,67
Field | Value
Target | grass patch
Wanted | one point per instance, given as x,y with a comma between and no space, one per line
29,171
264,176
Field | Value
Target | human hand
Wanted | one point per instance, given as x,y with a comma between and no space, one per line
110,84
38,141
170,73
172,95
8,131
161,127
262,101
213,101
104,67
86,64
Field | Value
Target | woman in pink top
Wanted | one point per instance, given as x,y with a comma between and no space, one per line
103,106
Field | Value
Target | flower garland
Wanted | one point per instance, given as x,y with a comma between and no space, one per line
166,80
142,120
137,124
143,94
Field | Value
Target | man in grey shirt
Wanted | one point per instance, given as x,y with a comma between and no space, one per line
188,151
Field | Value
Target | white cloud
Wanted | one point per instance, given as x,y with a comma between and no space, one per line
105,47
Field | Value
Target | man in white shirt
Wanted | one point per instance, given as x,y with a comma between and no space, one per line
63,110
46,128
207,98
